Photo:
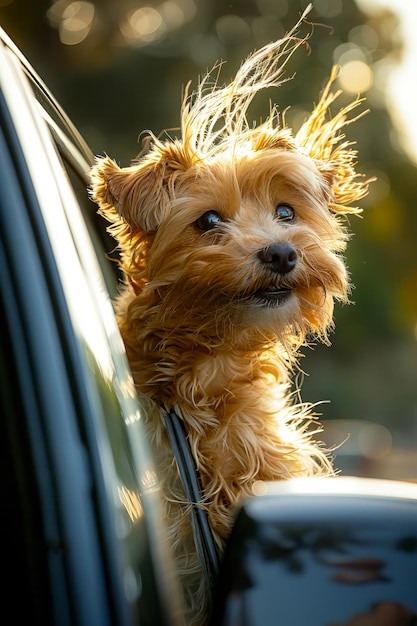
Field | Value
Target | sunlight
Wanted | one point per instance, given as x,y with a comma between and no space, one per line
402,86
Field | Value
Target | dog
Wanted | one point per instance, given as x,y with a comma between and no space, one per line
231,241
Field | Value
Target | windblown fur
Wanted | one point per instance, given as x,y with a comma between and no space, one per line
211,329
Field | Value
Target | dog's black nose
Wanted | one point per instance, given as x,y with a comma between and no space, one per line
279,257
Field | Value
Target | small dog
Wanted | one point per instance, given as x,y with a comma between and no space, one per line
231,242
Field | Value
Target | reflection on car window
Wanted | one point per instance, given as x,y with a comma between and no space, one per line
126,461
97,228
346,575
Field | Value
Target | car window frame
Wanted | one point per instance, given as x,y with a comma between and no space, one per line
11,66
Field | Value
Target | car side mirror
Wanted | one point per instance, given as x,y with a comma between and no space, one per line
322,552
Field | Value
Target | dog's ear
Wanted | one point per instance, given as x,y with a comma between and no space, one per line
138,194
322,139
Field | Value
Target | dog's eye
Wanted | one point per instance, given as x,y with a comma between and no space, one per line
284,213
208,221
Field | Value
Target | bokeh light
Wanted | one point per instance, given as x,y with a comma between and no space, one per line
142,25
356,77
73,19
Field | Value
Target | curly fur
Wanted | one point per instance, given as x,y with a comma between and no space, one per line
197,337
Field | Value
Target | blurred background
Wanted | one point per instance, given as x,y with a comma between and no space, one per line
119,66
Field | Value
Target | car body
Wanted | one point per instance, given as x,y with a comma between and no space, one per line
83,535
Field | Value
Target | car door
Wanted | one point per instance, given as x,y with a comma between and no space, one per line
83,539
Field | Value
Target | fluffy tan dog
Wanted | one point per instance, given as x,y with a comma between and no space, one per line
230,242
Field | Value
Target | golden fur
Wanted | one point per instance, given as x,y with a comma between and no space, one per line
198,338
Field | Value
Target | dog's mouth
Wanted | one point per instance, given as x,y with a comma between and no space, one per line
271,296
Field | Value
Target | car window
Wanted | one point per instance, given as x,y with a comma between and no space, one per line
126,460
103,243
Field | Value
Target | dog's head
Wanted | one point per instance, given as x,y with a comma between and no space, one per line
235,232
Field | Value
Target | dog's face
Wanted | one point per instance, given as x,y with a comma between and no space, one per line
259,246
232,235
239,242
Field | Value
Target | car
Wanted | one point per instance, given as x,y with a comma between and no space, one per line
83,534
